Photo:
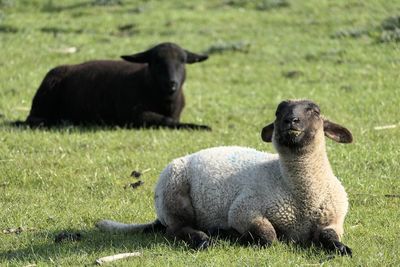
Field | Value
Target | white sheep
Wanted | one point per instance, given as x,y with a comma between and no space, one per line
292,195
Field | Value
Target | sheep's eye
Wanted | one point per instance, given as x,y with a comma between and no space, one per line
313,110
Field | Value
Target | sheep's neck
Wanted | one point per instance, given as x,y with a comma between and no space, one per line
307,174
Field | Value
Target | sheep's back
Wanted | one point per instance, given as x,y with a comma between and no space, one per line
218,175
102,90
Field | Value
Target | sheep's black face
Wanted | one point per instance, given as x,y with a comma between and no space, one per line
297,123
167,66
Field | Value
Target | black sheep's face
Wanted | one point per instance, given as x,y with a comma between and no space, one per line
166,63
297,124
167,67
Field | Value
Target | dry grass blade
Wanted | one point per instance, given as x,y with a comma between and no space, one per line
117,257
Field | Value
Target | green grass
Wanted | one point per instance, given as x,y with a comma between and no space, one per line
67,179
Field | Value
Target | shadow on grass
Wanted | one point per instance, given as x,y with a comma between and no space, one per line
44,248
69,127
94,243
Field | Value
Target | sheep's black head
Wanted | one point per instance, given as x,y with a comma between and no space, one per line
298,123
167,65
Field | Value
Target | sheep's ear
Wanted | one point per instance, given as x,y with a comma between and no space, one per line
193,57
337,132
142,57
266,133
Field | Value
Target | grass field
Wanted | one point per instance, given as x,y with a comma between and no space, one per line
333,52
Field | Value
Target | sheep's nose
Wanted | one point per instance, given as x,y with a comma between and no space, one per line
292,120
173,85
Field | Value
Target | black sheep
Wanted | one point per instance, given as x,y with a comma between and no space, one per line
144,90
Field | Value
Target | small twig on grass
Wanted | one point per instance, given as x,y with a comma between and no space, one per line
146,170
17,230
65,50
384,127
19,108
117,257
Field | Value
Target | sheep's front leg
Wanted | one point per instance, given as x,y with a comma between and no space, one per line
174,206
152,119
246,218
329,240
260,231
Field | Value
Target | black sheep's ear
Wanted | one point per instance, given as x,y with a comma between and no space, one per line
142,57
266,133
193,57
337,132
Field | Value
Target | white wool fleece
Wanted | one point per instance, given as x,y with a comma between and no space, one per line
231,187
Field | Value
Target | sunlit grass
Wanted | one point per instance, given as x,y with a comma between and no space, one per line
66,179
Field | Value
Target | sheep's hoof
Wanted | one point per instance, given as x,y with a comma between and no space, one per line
202,245
200,242
343,250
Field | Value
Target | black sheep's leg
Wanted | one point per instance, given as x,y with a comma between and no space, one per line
329,240
193,126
